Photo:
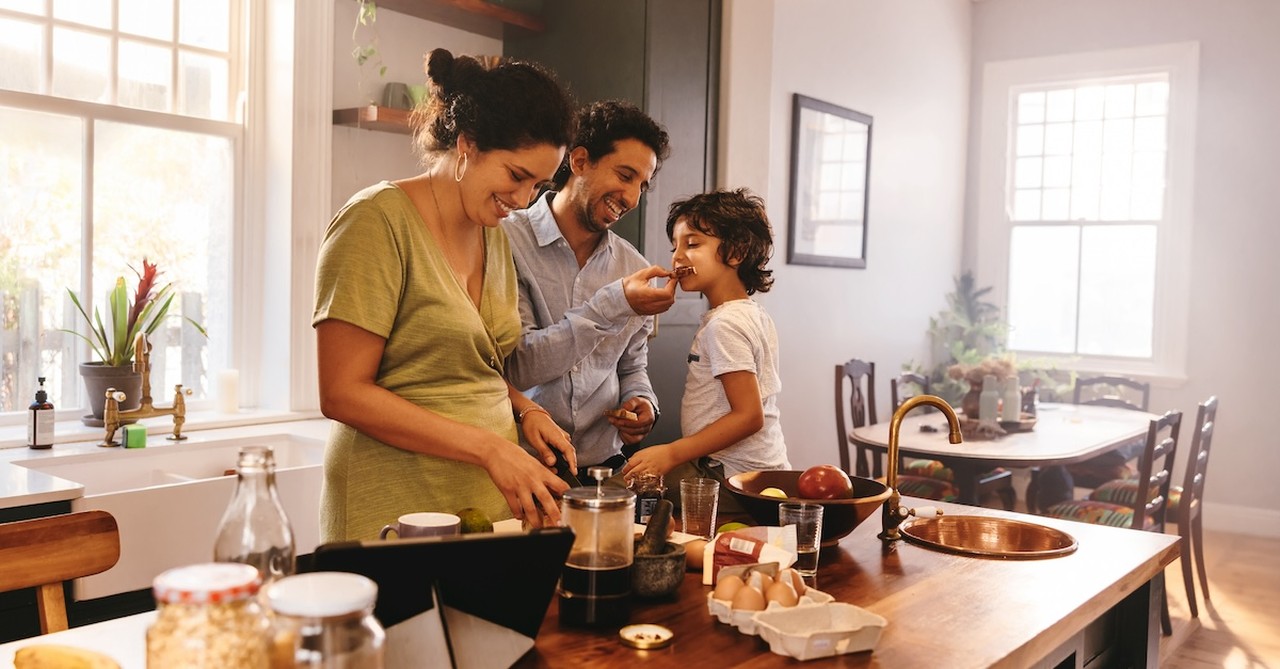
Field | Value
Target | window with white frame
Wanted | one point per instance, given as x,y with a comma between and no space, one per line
120,140
1084,205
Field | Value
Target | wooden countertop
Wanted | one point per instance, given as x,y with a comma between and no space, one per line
943,610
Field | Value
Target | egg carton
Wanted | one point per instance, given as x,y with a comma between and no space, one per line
811,632
745,621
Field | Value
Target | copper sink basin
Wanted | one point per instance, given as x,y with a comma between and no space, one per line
986,536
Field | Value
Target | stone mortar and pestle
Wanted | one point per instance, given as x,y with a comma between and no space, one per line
659,565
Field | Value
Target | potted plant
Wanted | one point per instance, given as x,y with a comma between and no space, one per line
113,341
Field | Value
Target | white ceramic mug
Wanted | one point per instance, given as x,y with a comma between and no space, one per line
423,524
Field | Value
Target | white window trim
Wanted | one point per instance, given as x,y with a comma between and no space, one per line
1173,261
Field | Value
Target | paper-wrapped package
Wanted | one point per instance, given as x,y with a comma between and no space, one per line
747,546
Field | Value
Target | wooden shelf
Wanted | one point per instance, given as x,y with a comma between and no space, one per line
374,117
477,16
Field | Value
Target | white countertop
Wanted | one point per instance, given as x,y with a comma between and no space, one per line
22,486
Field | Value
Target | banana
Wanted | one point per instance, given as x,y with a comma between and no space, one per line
51,656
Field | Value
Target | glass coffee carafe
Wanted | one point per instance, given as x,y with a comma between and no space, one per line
595,587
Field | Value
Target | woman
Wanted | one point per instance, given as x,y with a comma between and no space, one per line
416,311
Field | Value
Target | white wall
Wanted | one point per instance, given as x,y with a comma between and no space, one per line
1234,313
907,65
364,157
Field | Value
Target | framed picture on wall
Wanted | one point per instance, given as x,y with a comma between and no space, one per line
830,172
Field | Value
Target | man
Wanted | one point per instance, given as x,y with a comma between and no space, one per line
586,302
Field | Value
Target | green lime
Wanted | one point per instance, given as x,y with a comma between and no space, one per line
474,521
729,527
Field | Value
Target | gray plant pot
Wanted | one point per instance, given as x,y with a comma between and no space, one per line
98,378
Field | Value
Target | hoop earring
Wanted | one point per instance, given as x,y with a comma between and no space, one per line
460,168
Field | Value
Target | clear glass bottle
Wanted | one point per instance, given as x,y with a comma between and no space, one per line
254,529
324,620
208,617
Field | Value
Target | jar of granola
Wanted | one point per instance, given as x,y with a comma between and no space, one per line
208,615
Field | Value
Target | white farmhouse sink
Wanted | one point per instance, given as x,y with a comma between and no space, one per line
168,498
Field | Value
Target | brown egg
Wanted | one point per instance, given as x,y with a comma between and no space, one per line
760,581
782,593
795,579
748,599
693,553
727,587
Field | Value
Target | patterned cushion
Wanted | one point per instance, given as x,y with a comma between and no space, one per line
936,470
1123,493
928,488
1096,513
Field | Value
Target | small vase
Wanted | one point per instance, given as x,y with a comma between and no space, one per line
972,401
98,377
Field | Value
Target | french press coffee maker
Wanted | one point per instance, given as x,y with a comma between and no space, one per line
595,587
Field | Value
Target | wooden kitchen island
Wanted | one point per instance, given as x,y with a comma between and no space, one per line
1098,607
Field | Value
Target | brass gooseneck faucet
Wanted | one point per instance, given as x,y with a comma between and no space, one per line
113,417
894,513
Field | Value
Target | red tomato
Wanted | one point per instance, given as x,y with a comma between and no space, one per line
824,482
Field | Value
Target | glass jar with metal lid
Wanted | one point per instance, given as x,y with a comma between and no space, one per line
595,587
324,620
208,615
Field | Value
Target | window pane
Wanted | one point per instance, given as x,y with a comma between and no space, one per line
1027,173
1057,139
1089,101
1117,290
1030,140
149,18
205,23
153,200
1055,204
1152,99
1084,203
40,187
1042,288
1026,205
1119,102
81,65
21,51
1149,134
144,76
1031,107
1060,105
96,13
26,6
1057,171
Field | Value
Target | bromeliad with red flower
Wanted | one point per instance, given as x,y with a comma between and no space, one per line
113,341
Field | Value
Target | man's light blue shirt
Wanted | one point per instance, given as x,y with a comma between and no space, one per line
583,349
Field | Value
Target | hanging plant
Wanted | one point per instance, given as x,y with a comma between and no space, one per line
362,53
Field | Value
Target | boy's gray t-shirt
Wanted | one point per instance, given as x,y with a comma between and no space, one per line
736,336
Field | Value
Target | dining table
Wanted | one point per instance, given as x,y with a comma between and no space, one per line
1097,606
1061,434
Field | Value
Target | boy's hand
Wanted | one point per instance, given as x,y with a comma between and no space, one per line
658,460
646,299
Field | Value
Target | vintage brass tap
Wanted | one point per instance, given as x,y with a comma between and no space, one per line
894,513
113,417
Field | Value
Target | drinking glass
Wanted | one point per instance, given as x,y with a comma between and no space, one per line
808,521
699,498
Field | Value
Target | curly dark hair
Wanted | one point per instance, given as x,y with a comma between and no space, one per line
512,105
603,123
739,220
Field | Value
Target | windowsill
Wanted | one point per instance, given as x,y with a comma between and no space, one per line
72,431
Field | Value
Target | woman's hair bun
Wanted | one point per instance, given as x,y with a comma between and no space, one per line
440,68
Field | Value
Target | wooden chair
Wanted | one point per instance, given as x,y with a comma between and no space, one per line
861,407
1112,391
861,410
1148,507
1188,507
1184,500
44,552
998,481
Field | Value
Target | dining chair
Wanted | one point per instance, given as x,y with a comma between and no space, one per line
858,403
1106,390
1184,500
998,481
44,552
1148,508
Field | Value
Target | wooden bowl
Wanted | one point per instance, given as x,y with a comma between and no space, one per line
839,516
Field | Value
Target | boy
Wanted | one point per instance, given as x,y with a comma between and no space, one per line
729,415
